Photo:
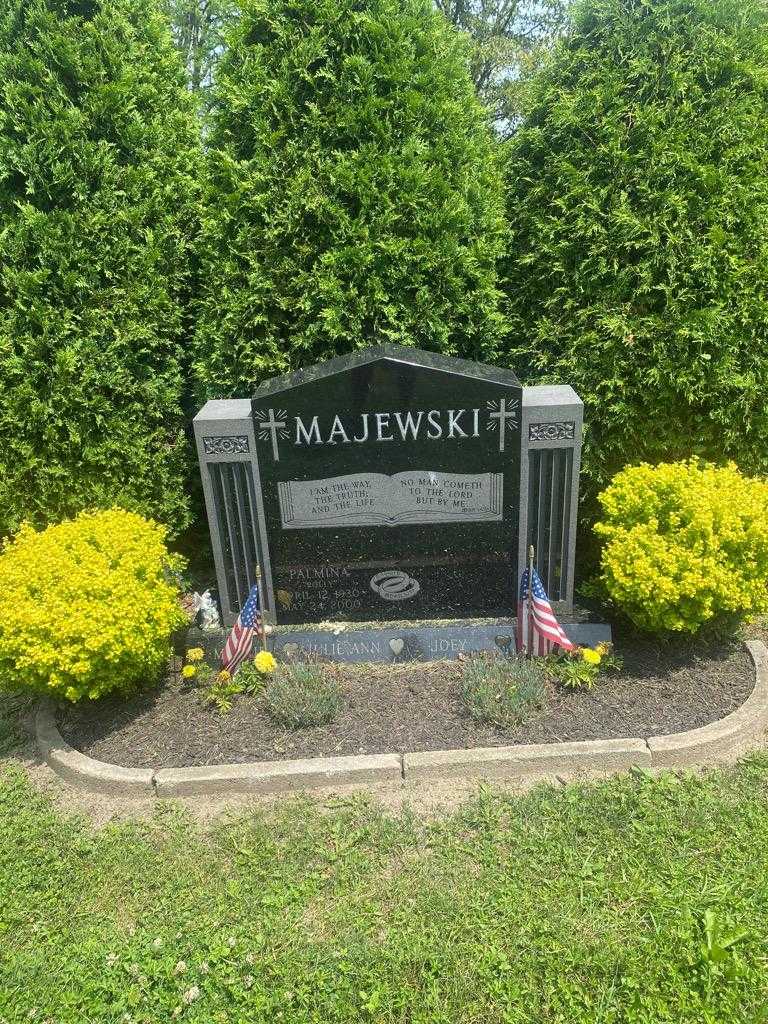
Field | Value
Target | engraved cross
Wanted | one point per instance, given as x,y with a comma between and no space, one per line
273,426
503,414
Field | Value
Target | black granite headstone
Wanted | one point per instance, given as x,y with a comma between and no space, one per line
390,487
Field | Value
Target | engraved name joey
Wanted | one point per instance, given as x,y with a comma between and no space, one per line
275,425
394,585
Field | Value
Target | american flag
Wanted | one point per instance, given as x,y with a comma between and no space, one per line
536,622
240,639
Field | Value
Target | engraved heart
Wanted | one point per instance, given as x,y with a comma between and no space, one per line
396,646
503,642
290,649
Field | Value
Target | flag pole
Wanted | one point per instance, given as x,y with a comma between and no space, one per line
257,576
529,599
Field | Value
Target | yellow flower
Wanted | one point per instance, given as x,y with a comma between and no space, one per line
591,657
265,662
603,649
223,676
189,671
195,654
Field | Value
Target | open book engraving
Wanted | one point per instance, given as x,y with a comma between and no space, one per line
375,499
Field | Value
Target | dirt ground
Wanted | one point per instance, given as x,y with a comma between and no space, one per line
409,707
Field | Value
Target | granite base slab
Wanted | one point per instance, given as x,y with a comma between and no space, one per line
396,642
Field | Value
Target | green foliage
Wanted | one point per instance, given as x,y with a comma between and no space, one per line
573,673
354,195
250,678
98,164
303,694
638,200
581,669
576,905
718,951
86,607
219,689
501,691
685,544
216,687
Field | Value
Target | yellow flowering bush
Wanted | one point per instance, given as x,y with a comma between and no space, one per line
685,543
86,606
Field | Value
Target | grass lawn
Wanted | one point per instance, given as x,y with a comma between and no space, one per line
601,903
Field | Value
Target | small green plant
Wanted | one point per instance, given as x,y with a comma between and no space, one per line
303,695
717,953
580,669
252,678
501,691
220,690
218,687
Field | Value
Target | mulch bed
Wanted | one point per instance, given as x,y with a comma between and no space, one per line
410,707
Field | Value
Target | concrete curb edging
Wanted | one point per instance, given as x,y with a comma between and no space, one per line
589,757
278,776
253,777
84,771
720,741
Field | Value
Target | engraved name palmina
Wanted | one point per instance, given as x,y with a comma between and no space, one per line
380,427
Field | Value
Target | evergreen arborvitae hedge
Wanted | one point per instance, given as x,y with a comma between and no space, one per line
99,149
638,202
354,192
